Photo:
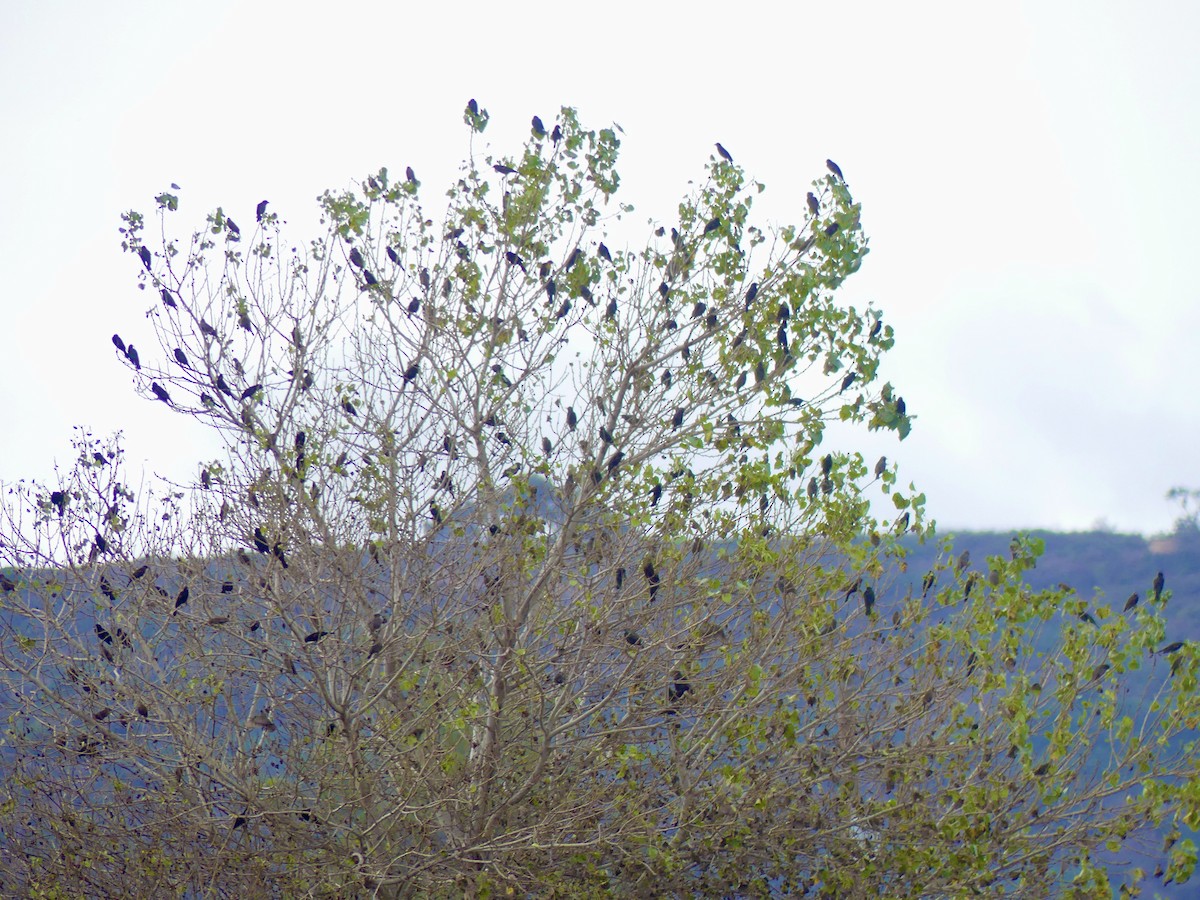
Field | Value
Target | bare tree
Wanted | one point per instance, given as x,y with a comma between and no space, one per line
525,568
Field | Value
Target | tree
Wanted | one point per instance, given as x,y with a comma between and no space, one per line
526,569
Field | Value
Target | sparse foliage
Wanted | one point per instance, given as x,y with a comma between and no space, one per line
526,569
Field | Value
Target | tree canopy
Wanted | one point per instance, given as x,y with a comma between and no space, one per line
526,568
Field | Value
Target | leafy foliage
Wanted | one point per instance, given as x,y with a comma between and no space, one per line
526,570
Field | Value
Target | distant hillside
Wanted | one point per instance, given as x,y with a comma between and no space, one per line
1117,565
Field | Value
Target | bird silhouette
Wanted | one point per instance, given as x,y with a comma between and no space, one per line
881,466
251,391
611,311
356,258
167,299
605,435
393,255
868,595
181,358
146,258
503,169
223,386
1159,583
724,153
848,380
604,254
159,392
556,134
411,372
547,446
132,355
833,167
751,294
410,175
539,130
572,259
1131,602
655,494
118,343
233,228
572,419
369,278
678,687
814,205
831,229
349,409
1173,647
713,225
182,597
677,419
260,210
260,541
515,260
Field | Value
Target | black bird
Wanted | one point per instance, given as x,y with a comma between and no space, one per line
301,438
181,358
260,541
698,310
7,584
632,638
612,308
424,278
411,372
251,391
827,464
677,419
615,460
369,278
435,513
724,153
157,390
1088,617
881,467
132,355
551,288
410,175
563,310
751,294
260,210
539,130
620,577
572,419
741,382
964,560
782,337
473,106
167,299
504,170
927,583
572,259
831,229
144,254
876,328
205,479
812,488
223,386
813,204
232,225
868,595
604,254
713,225
848,380
227,588
414,305
103,634
348,408
900,407
655,494
833,167
1159,583
586,294
653,578
547,447
59,500
1131,602
679,687
207,329
393,255
140,571
783,313
105,588
1173,647
605,435
556,134
514,260
664,290
118,343
181,598
760,372
356,258
279,555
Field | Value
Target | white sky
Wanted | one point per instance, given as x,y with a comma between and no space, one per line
1029,173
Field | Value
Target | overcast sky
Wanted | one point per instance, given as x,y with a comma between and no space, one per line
1029,174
